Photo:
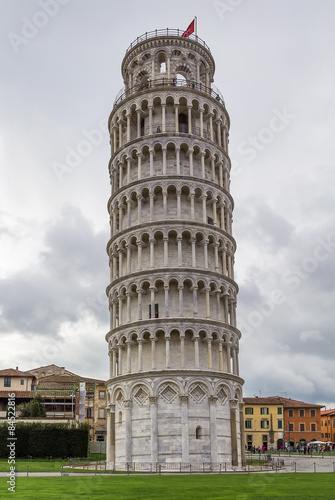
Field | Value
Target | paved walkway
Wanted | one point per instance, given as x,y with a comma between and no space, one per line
286,463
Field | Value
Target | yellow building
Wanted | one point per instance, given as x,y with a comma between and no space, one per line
328,425
264,423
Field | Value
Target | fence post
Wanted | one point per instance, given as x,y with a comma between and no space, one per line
160,469
127,468
295,466
190,469
220,467
27,470
225,466
314,467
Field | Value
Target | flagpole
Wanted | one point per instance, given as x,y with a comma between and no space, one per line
196,25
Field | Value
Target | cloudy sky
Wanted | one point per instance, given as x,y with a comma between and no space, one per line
60,73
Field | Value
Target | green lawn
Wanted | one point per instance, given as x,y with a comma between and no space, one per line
41,465
207,487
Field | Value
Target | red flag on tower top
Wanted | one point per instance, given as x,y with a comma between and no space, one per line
189,30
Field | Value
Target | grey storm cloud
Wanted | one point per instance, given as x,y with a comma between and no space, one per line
67,283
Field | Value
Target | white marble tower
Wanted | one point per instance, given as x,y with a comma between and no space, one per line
174,392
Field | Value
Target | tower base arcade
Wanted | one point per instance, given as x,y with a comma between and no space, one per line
175,417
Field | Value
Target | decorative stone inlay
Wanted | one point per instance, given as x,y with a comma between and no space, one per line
120,399
141,395
197,393
222,395
168,393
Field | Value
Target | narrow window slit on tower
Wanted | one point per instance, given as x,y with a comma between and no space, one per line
156,311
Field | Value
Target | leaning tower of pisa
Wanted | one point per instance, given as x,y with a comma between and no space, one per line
174,390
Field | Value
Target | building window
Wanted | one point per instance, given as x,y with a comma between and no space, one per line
102,394
302,427
156,311
323,435
264,424
248,424
101,413
210,221
7,382
88,412
249,411
334,421
291,427
22,381
264,411
321,423
313,413
301,413
120,417
198,432
280,424
291,413
326,435
279,410
313,427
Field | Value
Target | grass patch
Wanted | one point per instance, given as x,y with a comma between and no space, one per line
211,487
97,457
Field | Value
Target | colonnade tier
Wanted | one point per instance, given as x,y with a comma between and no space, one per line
166,157
180,111
181,296
161,200
171,246
172,346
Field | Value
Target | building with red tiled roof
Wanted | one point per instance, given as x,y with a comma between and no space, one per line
328,425
274,422
60,391
14,381
302,422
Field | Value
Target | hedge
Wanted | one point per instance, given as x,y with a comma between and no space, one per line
39,440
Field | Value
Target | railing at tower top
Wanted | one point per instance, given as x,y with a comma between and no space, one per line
169,82
166,32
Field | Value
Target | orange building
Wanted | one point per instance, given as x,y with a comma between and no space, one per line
302,422
328,425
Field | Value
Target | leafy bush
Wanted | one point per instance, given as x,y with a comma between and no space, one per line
42,439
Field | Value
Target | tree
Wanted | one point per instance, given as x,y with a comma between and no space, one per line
34,408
